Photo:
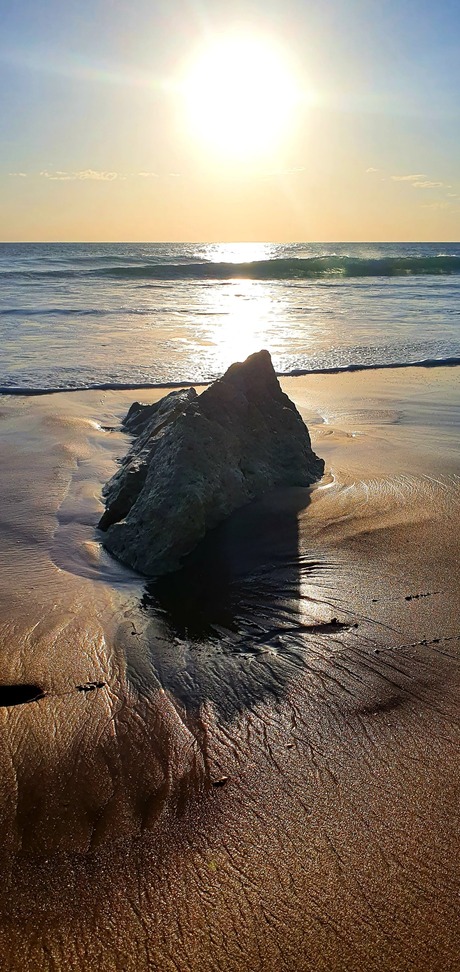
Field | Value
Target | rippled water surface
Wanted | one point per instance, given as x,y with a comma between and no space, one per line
79,315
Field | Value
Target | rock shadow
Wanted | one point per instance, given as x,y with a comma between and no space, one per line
229,628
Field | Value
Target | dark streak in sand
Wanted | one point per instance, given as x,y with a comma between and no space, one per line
90,686
19,694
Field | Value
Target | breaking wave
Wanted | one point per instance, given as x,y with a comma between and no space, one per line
289,268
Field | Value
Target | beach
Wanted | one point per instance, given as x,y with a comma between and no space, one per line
253,765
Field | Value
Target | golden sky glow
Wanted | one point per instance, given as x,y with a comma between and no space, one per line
283,120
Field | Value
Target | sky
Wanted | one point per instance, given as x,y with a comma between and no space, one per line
351,133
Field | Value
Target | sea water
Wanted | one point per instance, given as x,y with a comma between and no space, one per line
116,315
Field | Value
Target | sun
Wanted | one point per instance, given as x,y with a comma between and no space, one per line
240,96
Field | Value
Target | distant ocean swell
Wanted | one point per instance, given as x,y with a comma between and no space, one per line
448,362
292,268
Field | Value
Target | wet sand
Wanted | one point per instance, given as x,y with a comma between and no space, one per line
253,764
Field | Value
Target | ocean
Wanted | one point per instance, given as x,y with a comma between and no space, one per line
117,315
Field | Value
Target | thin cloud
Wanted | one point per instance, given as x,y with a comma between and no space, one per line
427,184
82,175
371,169
409,178
99,176
439,206
18,175
420,181
57,176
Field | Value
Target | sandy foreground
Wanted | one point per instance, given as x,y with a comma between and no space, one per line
253,765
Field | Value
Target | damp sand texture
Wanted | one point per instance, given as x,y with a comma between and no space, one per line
254,764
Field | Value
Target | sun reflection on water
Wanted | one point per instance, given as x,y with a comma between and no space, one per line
243,321
238,252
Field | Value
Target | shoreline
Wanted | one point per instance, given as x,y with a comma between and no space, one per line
283,749
26,391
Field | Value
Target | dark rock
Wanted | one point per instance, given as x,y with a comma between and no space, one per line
196,459
146,422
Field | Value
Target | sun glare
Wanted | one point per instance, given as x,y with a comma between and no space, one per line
240,97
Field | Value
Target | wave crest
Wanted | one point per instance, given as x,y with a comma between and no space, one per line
282,268
292,268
